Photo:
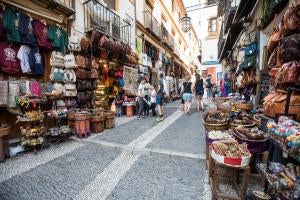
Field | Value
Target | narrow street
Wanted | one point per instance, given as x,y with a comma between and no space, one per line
139,159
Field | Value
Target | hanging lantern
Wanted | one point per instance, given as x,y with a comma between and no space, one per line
185,23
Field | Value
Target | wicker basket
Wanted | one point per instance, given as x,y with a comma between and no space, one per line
224,109
232,125
257,121
216,127
245,106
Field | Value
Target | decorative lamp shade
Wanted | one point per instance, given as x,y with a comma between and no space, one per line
185,23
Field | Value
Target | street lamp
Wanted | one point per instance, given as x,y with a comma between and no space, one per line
186,23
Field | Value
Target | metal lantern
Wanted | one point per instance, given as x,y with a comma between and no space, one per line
185,23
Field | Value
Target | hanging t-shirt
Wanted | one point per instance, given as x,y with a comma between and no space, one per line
23,55
8,58
41,31
58,37
26,30
36,60
11,25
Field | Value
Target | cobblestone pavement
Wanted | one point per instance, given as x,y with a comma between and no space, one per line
139,159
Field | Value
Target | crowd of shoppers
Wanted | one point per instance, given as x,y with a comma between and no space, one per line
152,97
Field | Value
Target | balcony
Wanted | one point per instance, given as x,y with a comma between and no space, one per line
167,38
152,24
231,8
101,18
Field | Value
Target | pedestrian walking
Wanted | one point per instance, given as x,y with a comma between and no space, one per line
199,91
142,91
187,92
160,98
209,86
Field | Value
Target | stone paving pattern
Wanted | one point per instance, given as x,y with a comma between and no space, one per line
67,170
185,135
127,132
61,178
157,177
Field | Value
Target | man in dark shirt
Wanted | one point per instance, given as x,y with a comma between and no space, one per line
160,97
209,86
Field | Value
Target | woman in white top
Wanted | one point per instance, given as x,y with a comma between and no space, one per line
153,100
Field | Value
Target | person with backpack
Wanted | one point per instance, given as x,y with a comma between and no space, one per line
160,98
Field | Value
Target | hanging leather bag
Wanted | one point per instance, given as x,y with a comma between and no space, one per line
81,85
81,74
289,73
275,103
103,43
277,34
290,48
94,73
80,61
85,43
291,21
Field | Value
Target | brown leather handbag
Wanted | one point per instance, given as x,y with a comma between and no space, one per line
289,73
277,34
85,43
81,74
94,63
103,43
117,49
275,102
94,73
80,60
81,85
95,38
291,21
104,54
289,48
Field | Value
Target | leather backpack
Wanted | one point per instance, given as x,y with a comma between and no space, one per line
103,43
81,85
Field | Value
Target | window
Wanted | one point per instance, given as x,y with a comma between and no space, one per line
210,2
212,25
149,6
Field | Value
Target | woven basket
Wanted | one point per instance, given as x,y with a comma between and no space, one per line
257,121
216,127
245,106
97,118
224,109
232,125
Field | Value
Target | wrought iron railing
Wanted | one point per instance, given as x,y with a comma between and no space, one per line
167,38
99,17
152,24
